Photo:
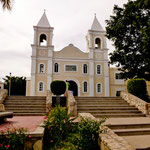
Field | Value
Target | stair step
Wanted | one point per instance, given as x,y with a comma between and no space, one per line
29,114
91,97
103,106
118,115
23,103
102,103
111,111
22,111
129,126
28,106
22,100
131,132
27,97
106,108
20,108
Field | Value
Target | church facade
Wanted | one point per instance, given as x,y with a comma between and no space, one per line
87,72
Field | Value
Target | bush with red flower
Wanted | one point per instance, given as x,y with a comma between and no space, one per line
13,139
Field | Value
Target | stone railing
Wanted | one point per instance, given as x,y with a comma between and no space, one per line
143,106
48,101
109,140
3,95
36,140
71,103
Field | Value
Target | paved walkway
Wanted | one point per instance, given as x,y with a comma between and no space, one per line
28,122
137,141
130,120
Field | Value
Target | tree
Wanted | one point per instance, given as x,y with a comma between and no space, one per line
18,85
6,4
58,87
129,29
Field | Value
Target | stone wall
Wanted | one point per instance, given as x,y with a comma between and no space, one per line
109,140
3,95
36,140
143,106
48,101
71,103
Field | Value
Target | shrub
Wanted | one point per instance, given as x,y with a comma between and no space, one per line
58,126
137,87
58,87
89,131
13,139
63,134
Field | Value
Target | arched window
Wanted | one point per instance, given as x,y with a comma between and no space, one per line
85,68
43,40
98,69
97,43
99,88
56,67
41,69
41,86
85,86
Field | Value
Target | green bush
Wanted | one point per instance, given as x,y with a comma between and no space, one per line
89,131
58,87
138,88
63,134
58,126
13,139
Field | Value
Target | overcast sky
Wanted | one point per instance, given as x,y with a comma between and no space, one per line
71,20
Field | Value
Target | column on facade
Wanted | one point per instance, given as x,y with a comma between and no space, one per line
91,73
50,68
33,72
106,77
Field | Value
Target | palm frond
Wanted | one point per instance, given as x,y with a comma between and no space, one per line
6,4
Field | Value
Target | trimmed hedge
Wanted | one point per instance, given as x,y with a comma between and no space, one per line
58,87
138,88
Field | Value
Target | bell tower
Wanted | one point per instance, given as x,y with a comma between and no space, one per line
41,59
98,52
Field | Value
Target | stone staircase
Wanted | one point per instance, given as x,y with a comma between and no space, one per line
134,130
26,105
108,107
125,120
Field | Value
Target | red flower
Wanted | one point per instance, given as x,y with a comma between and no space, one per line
29,136
44,117
51,141
7,146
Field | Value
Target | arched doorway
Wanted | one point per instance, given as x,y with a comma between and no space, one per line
73,87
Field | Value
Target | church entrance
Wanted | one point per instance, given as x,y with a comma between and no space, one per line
73,87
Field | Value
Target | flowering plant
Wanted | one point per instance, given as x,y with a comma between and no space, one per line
13,139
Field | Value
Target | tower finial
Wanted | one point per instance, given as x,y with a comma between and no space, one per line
44,10
95,14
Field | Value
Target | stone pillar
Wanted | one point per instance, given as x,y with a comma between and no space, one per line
106,77
91,73
33,72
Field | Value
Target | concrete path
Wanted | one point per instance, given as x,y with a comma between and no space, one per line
28,122
135,120
137,141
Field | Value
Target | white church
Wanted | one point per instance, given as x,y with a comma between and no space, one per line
87,72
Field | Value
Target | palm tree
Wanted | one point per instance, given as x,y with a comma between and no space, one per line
6,4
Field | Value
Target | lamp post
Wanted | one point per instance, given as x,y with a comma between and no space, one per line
10,84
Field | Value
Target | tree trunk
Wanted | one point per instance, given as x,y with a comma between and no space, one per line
57,99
